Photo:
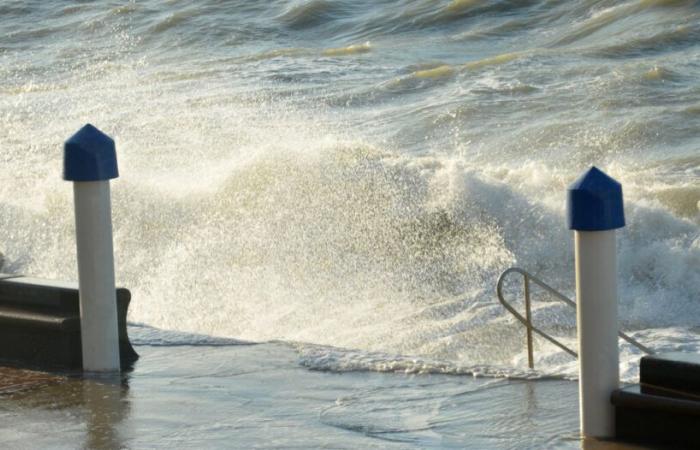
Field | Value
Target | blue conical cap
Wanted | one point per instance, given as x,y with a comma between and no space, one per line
594,203
89,155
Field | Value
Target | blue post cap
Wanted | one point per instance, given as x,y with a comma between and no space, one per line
594,203
89,155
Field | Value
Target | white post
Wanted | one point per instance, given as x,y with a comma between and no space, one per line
595,211
596,319
90,162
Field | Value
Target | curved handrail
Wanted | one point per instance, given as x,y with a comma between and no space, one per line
527,320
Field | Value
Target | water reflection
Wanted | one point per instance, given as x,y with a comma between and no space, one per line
107,405
49,409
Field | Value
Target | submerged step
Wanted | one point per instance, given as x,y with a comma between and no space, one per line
40,324
654,419
673,374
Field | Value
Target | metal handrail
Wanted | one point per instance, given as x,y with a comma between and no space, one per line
527,320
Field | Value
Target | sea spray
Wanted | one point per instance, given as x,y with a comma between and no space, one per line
284,179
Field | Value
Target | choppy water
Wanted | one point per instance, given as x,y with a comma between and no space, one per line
354,175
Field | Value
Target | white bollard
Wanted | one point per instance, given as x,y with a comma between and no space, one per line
596,311
595,210
90,162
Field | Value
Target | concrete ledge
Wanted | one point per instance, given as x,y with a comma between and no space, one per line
653,419
672,371
16,316
40,324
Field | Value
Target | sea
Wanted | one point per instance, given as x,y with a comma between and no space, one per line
348,179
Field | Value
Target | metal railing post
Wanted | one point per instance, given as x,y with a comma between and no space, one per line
528,318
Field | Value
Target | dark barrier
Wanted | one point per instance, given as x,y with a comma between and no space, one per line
40,324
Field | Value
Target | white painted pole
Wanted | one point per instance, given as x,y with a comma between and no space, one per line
596,319
595,210
98,298
90,162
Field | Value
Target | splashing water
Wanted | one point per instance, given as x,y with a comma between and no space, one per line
283,178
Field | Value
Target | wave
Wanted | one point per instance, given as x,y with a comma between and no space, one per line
353,49
677,39
285,179
173,20
304,235
311,13
423,76
550,362
330,359
142,334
